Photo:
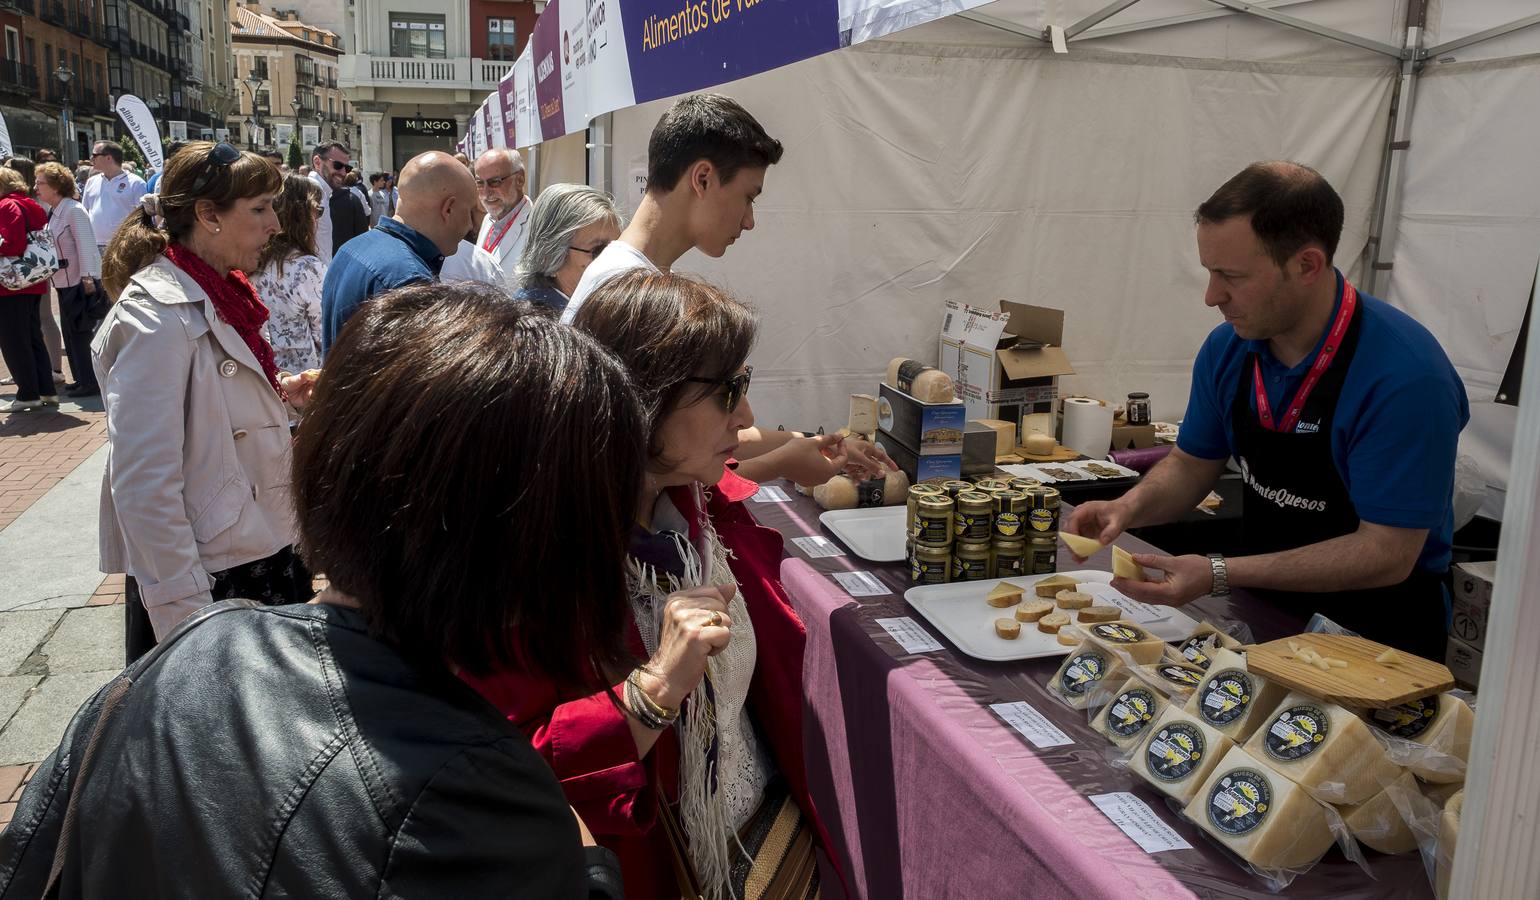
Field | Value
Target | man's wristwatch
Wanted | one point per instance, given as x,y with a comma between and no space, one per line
1221,585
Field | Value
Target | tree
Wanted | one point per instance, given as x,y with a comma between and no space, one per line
296,156
131,153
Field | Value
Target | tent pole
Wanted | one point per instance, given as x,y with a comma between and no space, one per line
1478,37
1263,12
599,146
1101,15
1381,250
1167,22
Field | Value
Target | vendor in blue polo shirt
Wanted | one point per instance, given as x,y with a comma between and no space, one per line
1342,412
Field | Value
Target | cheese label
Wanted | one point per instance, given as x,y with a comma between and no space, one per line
1008,524
1225,697
1084,670
1044,519
1239,803
869,493
1296,733
1130,712
1196,649
1407,720
1175,751
1117,633
1178,675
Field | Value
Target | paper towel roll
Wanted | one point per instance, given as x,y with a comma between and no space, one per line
1087,426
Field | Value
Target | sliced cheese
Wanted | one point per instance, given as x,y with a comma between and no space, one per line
1038,444
1234,701
1005,435
1442,724
1123,565
1198,648
1266,819
1080,678
1324,749
1178,753
1130,712
863,414
1129,639
1053,584
1004,595
1177,678
1378,823
1448,837
1080,546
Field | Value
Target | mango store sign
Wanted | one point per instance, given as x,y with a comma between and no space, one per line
434,127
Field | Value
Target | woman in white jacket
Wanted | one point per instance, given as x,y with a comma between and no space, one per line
78,279
195,501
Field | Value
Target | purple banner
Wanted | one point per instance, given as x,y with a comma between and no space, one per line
505,96
547,39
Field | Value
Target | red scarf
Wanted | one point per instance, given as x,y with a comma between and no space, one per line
236,304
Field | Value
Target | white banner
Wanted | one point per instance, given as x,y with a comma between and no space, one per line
309,135
141,126
494,112
282,132
5,138
221,134
177,130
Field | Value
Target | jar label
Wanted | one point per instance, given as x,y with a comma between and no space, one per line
1045,519
1008,524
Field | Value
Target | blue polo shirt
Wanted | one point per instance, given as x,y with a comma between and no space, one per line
1395,431
390,255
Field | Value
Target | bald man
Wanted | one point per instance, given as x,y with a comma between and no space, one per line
438,196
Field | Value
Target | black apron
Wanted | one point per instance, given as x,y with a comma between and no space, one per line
1295,497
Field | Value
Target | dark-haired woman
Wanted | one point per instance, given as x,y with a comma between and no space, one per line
695,777
290,277
327,750
195,501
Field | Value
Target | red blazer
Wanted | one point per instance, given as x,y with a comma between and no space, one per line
20,214
587,740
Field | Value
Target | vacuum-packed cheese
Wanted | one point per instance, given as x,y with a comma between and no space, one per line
1378,823
1127,638
1263,817
1448,837
1324,749
1442,723
1130,713
1179,679
1178,753
1083,673
1198,648
1233,700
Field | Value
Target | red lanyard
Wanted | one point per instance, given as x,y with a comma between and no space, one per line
512,217
1339,328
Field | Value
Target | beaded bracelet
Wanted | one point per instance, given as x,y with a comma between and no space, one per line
646,710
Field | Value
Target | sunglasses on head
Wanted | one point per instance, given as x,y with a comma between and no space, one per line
221,156
737,386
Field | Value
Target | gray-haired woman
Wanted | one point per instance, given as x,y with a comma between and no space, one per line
569,226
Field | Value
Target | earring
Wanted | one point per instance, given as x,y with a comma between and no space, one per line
216,229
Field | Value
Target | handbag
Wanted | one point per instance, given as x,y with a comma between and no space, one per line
36,263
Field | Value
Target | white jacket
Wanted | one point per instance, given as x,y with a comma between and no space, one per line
509,243
197,476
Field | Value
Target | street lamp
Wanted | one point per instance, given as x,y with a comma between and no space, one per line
65,76
255,84
154,104
251,132
294,105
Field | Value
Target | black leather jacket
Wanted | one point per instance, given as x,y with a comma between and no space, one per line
282,752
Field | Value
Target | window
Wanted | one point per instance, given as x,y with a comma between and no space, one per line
264,102
12,42
48,61
417,36
501,34
31,57
259,67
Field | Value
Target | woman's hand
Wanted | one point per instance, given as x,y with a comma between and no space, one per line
298,388
694,629
865,460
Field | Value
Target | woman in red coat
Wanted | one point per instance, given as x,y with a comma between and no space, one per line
691,767
21,322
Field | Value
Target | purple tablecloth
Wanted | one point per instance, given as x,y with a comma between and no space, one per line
929,794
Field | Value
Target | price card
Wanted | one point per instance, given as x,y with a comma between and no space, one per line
1033,725
861,584
1139,822
770,493
909,635
817,546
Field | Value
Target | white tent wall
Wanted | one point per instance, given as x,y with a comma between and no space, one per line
917,172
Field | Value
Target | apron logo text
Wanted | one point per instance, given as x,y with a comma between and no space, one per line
1284,498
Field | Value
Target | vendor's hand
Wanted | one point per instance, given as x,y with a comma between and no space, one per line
1103,520
811,460
695,627
1187,579
865,459
298,388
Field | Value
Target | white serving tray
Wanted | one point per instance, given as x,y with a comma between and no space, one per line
960,613
875,534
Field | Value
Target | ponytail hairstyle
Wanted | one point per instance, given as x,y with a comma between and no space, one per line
191,175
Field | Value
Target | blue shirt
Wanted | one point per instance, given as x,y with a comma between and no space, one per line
548,297
1395,430
372,263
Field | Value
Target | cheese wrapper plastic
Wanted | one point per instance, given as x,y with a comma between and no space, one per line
1266,819
1198,648
1448,837
1429,736
1127,639
1084,674
1178,753
1377,822
1176,678
1234,701
1324,749
1129,712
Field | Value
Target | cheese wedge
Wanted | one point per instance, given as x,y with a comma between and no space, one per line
1127,638
1053,584
1234,701
1051,623
1032,610
1010,629
1080,546
1448,837
1198,647
1324,749
1266,819
1073,600
1176,678
1178,753
1099,614
1004,595
1378,823
1442,724
1123,565
1083,672
1129,714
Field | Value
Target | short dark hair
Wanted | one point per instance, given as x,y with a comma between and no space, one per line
1290,206
710,127
25,166
175,147
469,470
377,177
324,148
669,328
273,155
111,148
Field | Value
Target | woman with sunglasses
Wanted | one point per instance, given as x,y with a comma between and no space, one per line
195,502
569,226
290,275
690,767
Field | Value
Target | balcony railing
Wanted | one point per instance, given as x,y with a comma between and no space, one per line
460,72
25,7
18,76
53,13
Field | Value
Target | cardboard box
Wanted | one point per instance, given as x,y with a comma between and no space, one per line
943,467
929,429
1004,364
1132,437
1472,602
979,445
1464,661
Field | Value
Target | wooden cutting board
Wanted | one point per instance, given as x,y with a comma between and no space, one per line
1363,683
1060,453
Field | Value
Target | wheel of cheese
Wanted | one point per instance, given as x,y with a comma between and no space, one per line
922,382
1234,701
1129,713
1266,819
1448,837
1324,749
1442,724
1083,673
1378,823
1127,639
1178,753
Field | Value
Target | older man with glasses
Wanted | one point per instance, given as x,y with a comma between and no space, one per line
328,168
112,193
500,181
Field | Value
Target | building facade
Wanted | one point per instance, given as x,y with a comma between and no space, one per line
288,69
416,70
54,75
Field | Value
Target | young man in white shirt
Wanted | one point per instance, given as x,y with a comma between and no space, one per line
112,193
706,164
328,168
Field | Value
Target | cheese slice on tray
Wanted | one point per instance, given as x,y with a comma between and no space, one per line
1442,724
1081,677
1049,587
1127,638
1378,823
1178,753
1324,749
1130,713
1266,819
1232,700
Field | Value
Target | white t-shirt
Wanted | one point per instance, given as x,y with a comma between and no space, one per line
323,224
471,263
618,257
108,203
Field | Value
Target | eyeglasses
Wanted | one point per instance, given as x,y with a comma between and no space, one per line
221,156
337,165
737,386
597,248
95,155
491,182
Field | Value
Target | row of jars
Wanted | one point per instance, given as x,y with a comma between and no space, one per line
995,528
